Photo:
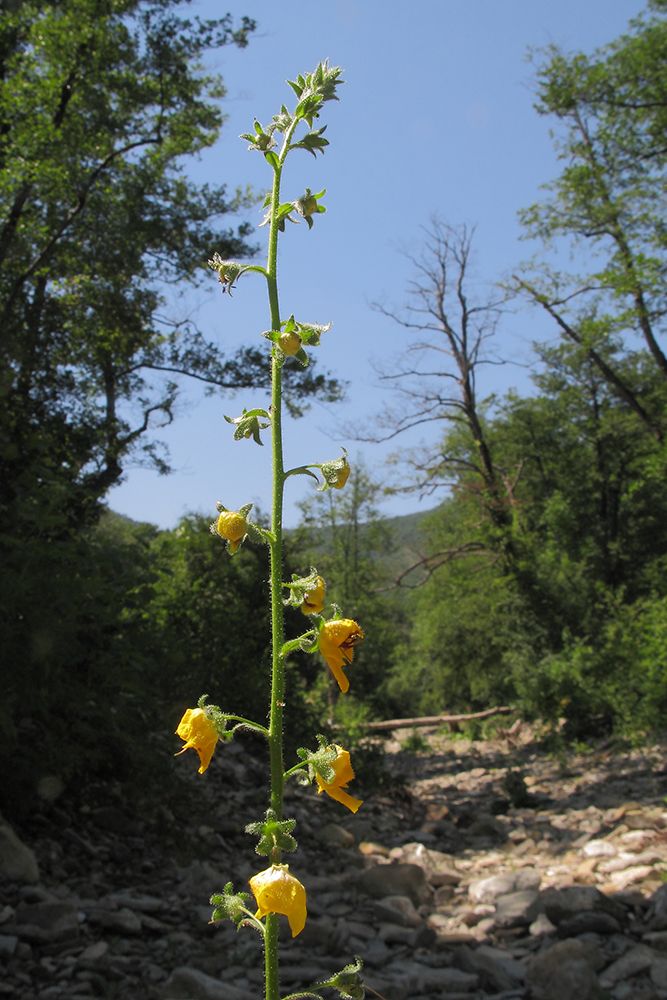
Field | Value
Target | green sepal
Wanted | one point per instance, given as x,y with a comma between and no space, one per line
260,535
249,424
303,470
302,357
310,333
283,120
218,718
347,982
272,158
229,271
273,834
245,510
304,643
332,471
319,761
313,142
262,140
229,905
300,585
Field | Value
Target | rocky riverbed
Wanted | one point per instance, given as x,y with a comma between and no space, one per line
493,869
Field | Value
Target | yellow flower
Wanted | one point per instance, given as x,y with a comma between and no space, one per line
290,343
313,599
233,527
276,891
199,734
336,642
344,774
341,475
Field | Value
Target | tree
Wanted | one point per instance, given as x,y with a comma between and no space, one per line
608,202
443,390
100,101
345,536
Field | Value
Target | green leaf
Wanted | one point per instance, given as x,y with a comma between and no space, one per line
303,470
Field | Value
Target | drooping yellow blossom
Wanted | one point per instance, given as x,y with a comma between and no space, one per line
341,475
232,527
313,599
199,734
344,774
336,642
290,343
276,891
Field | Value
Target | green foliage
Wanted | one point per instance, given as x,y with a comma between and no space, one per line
344,535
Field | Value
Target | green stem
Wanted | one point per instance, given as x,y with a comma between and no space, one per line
272,984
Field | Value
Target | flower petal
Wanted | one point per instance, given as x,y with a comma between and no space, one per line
340,796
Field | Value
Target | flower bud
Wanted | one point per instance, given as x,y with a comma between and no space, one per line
276,891
290,343
313,599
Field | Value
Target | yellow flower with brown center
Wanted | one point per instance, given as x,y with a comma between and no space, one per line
336,642
344,774
313,600
199,734
276,891
233,527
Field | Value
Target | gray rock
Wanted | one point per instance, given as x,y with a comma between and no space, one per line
398,910
450,980
636,960
319,931
45,923
8,944
387,988
588,922
656,917
376,954
565,972
335,836
17,862
656,940
487,890
136,901
423,979
396,880
518,908
124,921
493,977
50,787
200,880
659,972
93,953
542,925
438,867
561,904
423,937
599,849
527,878
191,984
516,970
488,826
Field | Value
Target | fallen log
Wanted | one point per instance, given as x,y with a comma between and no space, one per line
434,720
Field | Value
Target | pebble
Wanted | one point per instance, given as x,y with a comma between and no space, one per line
437,893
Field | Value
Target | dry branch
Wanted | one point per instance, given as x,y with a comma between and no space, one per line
435,720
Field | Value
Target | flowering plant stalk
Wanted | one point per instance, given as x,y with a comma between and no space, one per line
276,889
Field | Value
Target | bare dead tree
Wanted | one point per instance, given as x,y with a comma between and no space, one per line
435,382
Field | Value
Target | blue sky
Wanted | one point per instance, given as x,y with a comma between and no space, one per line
436,116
